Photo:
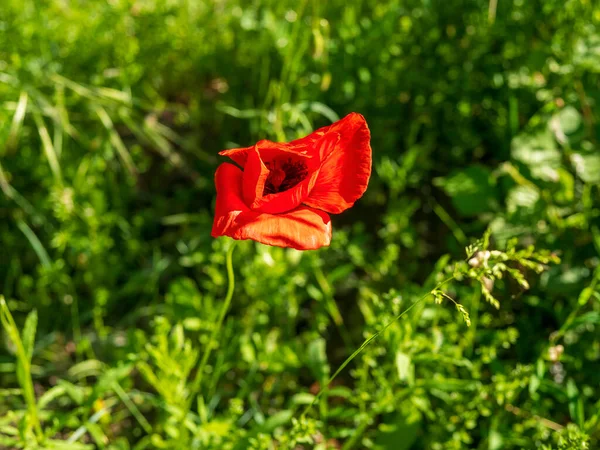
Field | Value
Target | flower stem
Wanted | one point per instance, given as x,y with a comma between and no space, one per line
230,286
367,342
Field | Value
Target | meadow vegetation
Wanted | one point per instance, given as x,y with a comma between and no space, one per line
471,266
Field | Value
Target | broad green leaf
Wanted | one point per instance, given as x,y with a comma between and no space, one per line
522,199
587,167
278,419
471,190
569,119
539,152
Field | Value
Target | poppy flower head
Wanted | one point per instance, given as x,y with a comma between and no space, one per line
284,173
282,192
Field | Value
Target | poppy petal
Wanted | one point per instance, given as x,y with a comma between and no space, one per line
268,150
254,178
345,168
302,228
286,200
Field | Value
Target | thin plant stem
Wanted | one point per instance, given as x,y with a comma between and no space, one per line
367,342
492,11
230,286
24,361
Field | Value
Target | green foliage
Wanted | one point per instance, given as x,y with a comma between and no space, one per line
484,123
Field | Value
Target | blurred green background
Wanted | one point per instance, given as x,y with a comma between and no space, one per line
484,116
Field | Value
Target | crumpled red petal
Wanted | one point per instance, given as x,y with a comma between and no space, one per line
302,228
255,175
269,150
345,168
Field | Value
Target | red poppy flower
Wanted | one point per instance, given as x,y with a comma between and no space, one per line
283,191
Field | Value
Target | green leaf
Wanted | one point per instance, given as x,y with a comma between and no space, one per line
399,433
184,291
77,393
314,292
450,384
28,334
539,152
51,394
278,419
339,273
115,140
404,367
565,187
569,119
575,403
522,198
113,375
15,127
48,147
97,434
587,167
565,281
471,190
340,391
591,318
495,439
302,398
62,445
317,359
36,244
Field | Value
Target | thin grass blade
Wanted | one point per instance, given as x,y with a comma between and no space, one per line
35,243
17,122
49,149
115,140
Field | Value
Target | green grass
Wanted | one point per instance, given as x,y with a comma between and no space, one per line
122,328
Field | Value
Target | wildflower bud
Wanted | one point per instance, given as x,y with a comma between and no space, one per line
555,352
488,283
480,259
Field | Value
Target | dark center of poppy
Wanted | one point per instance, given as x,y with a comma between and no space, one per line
284,174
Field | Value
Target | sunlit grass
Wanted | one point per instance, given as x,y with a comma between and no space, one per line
116,333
